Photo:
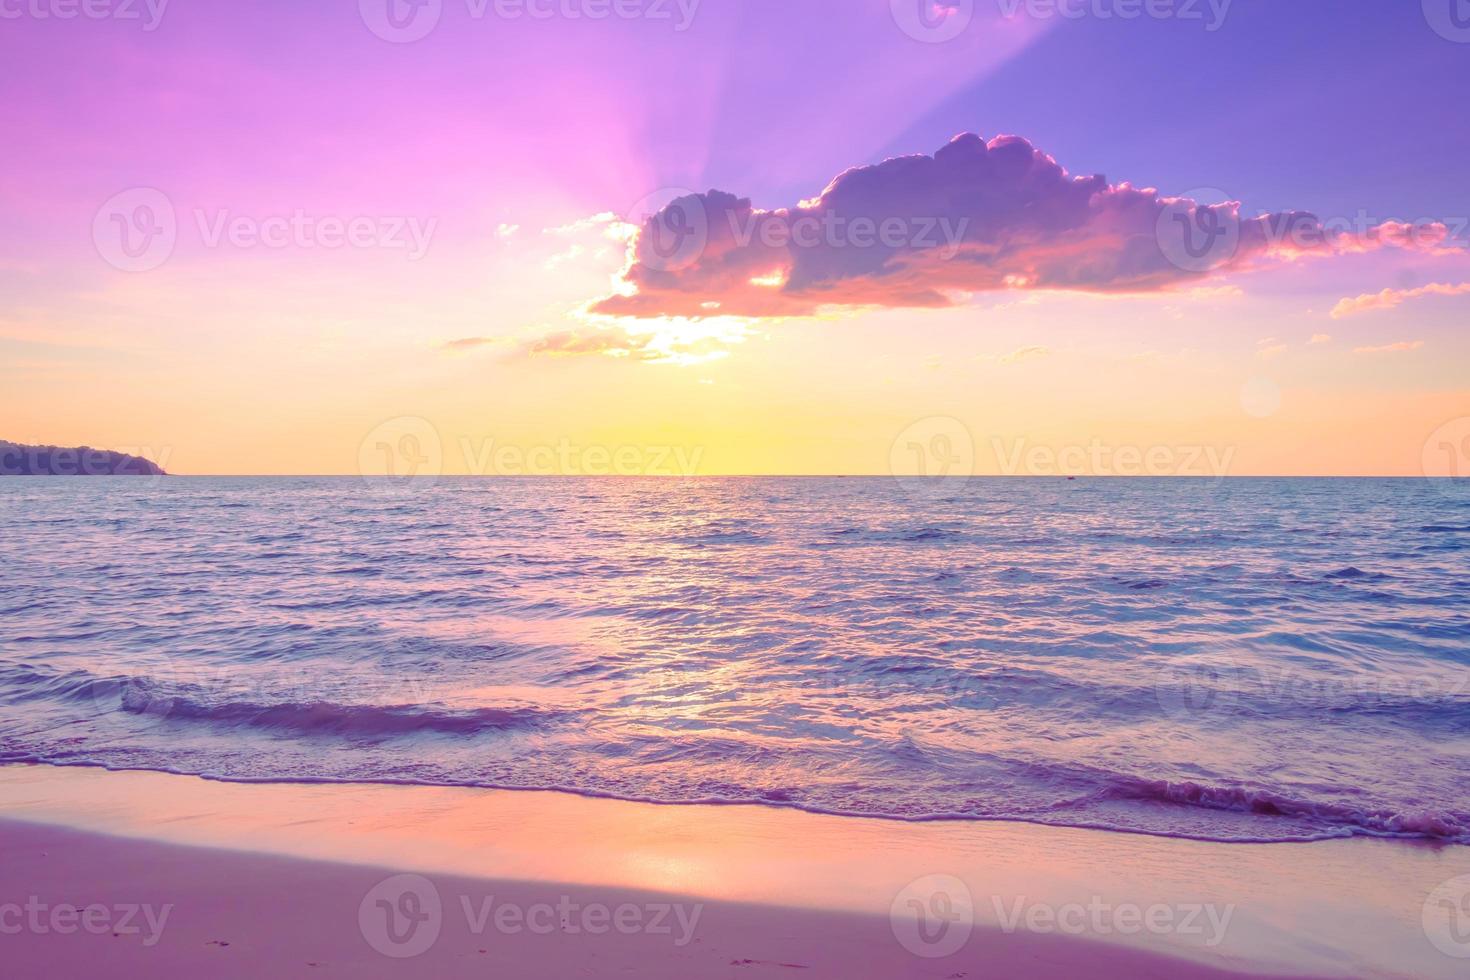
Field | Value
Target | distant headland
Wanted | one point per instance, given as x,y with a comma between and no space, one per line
18,459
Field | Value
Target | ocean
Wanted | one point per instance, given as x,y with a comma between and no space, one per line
1241,659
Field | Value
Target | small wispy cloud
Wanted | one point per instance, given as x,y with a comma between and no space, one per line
1320,338
571,254
1025,354
505,231
660,348
1228,291
469,343
606,222
1272,350
1387,299
1403,345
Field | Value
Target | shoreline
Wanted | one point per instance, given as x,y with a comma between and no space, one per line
1406,837
1349,907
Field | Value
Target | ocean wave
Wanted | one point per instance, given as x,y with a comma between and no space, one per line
328,717
1252,660
1447,825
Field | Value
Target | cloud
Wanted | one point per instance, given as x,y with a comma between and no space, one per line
1403,345
570,254
659,347
930,231
1272,350
1320,338
469,343
1025,354
1389,298
615,343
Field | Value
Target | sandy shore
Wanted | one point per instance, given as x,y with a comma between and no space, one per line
175,876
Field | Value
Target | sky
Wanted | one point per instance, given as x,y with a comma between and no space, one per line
673,237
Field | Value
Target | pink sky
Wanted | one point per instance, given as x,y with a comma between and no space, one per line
329,232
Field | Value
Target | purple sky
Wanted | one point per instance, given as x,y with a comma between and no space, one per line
506,121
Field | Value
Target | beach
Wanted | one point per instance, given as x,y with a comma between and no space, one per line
667,490
242,879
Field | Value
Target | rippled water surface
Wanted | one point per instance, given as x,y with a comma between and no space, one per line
1248,659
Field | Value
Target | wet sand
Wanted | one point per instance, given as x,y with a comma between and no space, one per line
371,880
